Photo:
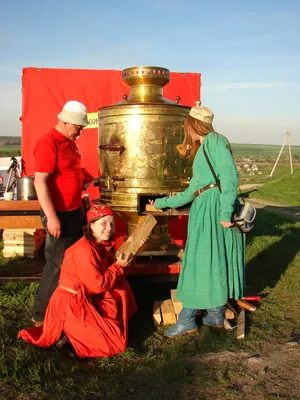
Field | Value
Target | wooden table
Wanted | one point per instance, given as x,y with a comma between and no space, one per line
20,214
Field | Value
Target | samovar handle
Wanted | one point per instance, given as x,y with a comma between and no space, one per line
113,147
117,178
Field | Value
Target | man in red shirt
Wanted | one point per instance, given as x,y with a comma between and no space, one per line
59,181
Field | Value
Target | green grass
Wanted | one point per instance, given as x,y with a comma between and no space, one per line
263,151
282,188
9,151
10,146
154,367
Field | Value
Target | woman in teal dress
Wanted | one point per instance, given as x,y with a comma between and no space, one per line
214,259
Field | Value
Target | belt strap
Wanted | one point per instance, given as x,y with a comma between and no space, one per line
199,191
68,289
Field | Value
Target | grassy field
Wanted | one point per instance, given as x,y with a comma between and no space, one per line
10,146
281,189
9,151
263,151
155,367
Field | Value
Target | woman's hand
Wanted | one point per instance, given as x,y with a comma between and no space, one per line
124,260
226,224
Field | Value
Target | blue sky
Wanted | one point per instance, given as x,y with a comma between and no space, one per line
248,53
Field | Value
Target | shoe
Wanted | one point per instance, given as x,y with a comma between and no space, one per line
214,317
185,324
37,323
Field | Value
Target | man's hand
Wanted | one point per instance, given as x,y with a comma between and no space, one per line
53,226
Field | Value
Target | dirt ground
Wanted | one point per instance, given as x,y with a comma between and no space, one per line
274,373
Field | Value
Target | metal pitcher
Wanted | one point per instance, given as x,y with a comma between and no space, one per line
25,188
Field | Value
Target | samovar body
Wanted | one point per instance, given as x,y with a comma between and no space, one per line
138,136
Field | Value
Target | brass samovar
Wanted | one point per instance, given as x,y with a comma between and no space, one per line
138,158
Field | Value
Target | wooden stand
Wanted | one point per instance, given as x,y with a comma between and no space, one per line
21,223
18,242
14,214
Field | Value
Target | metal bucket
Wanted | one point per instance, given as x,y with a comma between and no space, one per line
25,188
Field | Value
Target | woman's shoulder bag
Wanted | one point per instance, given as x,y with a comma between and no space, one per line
244,214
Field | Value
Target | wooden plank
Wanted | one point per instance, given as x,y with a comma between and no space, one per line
241,328
20,248
229,314
139,234
13,254
231,308
227,325
20,222
13,238
150,207
18,236
18,242
167,311
177,305
19,231
247,306
157,318
13,205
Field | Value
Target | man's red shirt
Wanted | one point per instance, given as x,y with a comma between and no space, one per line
58,156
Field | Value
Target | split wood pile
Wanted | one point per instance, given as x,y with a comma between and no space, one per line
166,312
22,242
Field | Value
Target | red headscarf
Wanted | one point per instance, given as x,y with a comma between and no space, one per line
98,211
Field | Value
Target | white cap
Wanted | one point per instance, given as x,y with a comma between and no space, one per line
202,114
74,113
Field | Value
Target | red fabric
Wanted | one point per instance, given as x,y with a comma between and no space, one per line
58,156
98,211
96,319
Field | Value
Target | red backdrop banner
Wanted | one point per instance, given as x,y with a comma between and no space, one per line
46,90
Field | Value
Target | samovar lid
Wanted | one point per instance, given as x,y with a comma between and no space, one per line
146,86
150,75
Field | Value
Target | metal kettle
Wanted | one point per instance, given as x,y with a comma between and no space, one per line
25,188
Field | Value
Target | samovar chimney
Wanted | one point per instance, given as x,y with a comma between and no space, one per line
146,85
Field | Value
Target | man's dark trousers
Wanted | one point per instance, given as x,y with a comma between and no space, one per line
54,252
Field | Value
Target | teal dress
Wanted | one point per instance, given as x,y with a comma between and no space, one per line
214,260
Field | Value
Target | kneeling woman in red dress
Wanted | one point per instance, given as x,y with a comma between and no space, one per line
93,301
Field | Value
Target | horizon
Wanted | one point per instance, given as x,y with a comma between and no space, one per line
248,63
233,143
